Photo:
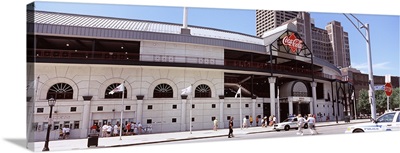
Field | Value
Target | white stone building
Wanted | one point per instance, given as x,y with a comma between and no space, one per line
79,59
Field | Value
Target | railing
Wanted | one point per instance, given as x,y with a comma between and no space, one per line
124,56
71,54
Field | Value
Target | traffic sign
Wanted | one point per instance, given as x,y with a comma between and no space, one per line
388,89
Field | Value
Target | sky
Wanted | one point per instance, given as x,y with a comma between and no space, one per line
384,29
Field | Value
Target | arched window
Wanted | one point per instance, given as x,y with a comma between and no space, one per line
163,91
202,91
60,91
116,94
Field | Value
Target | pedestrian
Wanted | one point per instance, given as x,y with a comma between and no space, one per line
104,130
128,128
93,129
244,122
66,130
263,121
132,129
273,119
300,124
311,124
108,130
215,124
257,120
230,134
251,121
270,120
61,134
135,128
140,128
115,129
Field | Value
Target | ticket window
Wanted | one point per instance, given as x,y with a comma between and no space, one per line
76,125
105,122
97,122
66,123
57,125
35,127
44,126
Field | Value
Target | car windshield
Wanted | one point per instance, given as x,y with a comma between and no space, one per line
288,120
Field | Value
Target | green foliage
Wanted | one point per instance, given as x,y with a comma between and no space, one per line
364,107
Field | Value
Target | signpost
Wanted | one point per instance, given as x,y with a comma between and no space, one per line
388,89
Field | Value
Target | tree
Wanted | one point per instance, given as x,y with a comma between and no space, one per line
364,107
395,99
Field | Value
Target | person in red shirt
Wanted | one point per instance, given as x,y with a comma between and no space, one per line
128,128
94,128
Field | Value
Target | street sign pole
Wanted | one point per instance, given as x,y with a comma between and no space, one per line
388,103
388,91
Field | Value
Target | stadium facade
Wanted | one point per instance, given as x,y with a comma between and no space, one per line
79,59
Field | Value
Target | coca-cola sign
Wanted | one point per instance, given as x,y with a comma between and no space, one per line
292,42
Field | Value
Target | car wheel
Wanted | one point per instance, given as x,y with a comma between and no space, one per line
358,131
287,127
305,126
278,130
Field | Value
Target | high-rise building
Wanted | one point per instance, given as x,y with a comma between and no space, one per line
330,44
268,19
340,43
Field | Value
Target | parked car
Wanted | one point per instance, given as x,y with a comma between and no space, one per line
289,123
389,121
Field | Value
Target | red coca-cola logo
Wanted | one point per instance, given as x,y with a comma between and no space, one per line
292,42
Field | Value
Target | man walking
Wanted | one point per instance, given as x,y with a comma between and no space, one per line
230,135
300,124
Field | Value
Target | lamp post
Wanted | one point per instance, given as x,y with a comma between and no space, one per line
51,103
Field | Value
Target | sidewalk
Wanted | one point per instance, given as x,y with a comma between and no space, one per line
78,144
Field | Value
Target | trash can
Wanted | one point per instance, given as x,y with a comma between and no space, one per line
347,119
93,140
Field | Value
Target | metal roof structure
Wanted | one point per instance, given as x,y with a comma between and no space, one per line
65,19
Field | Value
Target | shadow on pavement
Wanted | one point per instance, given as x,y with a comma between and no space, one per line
18,142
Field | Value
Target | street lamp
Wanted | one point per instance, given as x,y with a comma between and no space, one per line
51,103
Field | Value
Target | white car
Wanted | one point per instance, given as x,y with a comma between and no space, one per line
389,121
289,123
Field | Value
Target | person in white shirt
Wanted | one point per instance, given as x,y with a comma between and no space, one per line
66,130
244,122
300,123
104,130
116,130
215,124
109,129
140,128
311,124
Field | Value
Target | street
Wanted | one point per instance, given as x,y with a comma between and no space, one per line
325,130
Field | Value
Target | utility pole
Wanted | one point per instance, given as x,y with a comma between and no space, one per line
371,91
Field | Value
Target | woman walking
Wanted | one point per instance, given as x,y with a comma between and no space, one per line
311,124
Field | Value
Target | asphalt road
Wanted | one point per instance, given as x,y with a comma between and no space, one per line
326,130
